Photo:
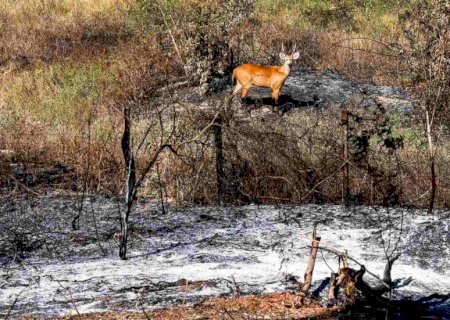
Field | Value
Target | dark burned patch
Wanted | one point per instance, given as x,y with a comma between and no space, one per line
285,103
82,239
206,217
35,176
101,37
163,230
222,259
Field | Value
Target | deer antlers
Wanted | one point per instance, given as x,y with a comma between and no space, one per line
293,48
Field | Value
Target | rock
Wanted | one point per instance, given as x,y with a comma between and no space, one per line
394,103
261,112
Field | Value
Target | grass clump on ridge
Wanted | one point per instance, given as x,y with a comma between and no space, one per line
56,94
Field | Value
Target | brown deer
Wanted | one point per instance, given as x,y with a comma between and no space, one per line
272,77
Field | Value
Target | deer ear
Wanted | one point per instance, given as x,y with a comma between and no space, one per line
296,55
282,56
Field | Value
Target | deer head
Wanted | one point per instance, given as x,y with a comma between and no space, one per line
288,58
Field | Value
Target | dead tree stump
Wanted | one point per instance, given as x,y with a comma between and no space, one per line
309,268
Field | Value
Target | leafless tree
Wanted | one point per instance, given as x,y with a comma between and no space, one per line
143,146
426,28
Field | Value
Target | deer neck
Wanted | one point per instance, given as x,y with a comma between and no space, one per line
285,68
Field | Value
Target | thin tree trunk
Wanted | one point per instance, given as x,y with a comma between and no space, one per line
126,136
129,191
220,174
124,233
432,157
130,181
161,191
346,169
433,183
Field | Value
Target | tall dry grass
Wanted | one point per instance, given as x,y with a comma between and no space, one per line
51,29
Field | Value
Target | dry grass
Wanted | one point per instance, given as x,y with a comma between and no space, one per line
73,106
358,51
45,29
271,306
68,67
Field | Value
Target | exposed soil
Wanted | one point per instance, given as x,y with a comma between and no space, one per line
269,306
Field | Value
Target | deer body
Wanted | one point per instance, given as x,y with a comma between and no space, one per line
272,77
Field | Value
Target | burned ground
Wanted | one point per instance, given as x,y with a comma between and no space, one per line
196,252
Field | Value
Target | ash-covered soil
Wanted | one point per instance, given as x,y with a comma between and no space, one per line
47,269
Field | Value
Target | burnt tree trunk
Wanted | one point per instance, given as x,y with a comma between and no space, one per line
130,181
161,189
345,169
220,172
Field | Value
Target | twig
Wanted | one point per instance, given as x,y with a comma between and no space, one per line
235,287
281,178
169,30
228,314
175,85
326,263
186,289
24,186
372,274
76,219
14,302
324,180
96,228
71,298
